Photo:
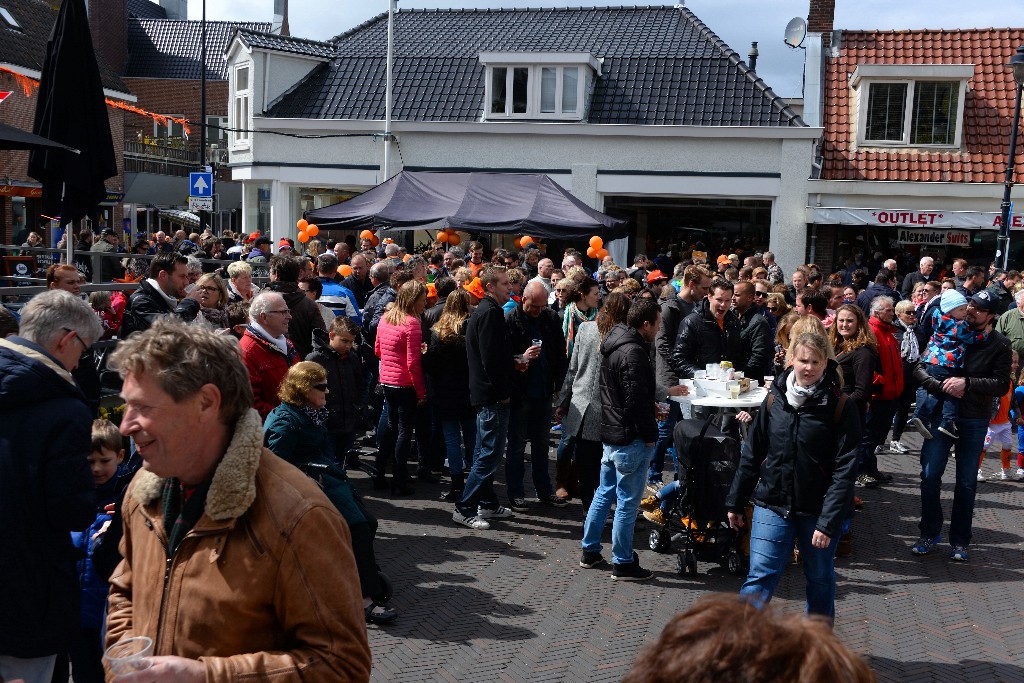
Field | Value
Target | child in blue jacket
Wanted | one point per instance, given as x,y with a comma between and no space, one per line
105,458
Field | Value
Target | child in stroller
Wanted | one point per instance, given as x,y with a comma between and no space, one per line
691,509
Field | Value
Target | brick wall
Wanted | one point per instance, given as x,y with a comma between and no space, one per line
821,15
108,25
177,97
19,111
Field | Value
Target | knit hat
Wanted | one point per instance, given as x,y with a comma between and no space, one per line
951,299
475,288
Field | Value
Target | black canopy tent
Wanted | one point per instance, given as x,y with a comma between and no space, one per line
510,203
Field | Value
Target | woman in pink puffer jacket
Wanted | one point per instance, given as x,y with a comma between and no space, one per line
399,345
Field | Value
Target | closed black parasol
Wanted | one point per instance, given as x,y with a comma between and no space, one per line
71,111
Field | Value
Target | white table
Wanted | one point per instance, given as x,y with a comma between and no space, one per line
750,399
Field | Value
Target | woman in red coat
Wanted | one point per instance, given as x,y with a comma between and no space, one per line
399,345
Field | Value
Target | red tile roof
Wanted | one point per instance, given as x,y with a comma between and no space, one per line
988,107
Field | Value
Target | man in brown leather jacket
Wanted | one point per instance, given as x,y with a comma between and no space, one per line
235,563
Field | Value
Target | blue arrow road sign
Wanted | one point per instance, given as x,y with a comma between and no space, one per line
200,184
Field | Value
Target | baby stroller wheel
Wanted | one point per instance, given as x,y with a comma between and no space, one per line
690,560
659,541
387,589
736,563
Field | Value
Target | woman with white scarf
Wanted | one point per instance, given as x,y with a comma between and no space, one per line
798,467
910,352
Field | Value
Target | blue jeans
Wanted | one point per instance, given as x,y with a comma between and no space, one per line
623,474
491,433
665,445
934,455
529,423
771,549
456,434
928,404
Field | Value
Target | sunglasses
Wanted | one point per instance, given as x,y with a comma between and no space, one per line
772,308
320,387
760,294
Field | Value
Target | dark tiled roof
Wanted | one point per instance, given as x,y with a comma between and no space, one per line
162,48
144,9
279,43
662,65
988,106
27,48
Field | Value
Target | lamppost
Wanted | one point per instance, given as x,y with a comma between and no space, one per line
1003,243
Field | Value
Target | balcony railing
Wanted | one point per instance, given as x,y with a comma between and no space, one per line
144,157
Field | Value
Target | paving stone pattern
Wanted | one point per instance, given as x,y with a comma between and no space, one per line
512,603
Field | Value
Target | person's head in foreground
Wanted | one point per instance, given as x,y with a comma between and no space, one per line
728,639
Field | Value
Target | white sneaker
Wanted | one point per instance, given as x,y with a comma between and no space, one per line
500,511
473,522
1019,474
981,475
1004,475
878,450
898,447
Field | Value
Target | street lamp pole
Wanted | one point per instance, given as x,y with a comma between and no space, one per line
1003,242
203,216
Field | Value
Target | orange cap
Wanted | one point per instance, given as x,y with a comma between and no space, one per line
475,288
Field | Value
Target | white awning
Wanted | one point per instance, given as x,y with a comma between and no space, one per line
910,218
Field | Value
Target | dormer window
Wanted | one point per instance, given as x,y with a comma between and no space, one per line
547,86
7,19
911,105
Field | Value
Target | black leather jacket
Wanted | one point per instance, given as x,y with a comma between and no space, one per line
701,341
627,388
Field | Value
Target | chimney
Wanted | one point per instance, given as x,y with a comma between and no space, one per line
108,25
752,56
820,16
280,23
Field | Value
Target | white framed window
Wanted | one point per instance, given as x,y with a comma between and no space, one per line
911,105
215,133
241,106
546,86
172,130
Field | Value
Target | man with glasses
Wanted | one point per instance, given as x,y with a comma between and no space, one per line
761,292
47,489
266,350
986,376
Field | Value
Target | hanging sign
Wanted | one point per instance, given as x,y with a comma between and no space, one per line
900,218
935,238
4,94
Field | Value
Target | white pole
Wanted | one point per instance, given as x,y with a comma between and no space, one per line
387,92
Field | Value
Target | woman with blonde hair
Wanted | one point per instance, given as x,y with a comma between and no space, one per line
775,304
798,467
212,295
448,366
399,347
295,432
240,286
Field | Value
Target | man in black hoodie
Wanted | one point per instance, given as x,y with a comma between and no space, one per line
284,279
489,349
629,432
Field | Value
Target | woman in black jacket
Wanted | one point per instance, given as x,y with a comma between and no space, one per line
798,466
448,391
856,353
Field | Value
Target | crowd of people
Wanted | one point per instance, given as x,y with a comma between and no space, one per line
246,546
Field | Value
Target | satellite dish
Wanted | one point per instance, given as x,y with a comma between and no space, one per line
796,31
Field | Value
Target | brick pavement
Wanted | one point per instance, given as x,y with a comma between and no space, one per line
512,604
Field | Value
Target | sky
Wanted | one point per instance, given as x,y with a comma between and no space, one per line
738,22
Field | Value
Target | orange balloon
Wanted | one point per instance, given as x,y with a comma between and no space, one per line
524,240
303,236
450,231
601,253
591,252
344,270
454,240
312,231
442,236
301,224
366,235
374,239
596,242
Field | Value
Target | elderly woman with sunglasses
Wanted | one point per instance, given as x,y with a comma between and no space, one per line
295,432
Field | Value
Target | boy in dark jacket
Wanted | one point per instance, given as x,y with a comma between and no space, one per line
629,432
105,458
334,350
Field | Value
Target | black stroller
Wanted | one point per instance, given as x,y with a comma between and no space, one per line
708,459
